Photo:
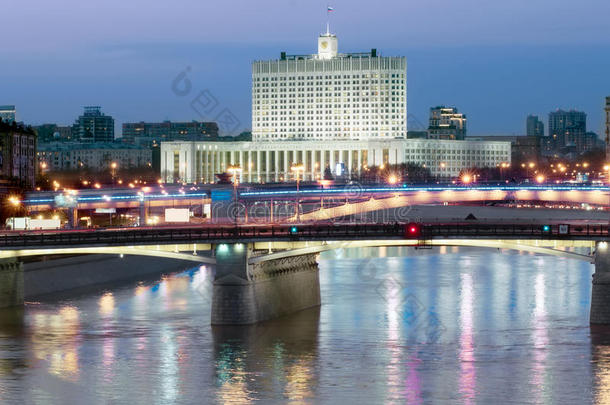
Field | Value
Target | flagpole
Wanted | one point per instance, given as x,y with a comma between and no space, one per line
329,8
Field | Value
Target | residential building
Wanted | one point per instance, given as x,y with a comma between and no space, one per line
93,126
150,133
7,113
17,155
57,156
446,123
589,142
567,131
534,127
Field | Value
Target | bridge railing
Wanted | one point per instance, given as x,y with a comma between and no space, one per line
220,234
514,230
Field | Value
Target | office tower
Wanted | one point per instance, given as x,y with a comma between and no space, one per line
330,112
329,96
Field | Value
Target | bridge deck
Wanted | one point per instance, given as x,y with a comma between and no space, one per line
304,232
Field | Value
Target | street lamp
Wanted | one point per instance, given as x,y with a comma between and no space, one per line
297,168
234,170
607,169
14,202
113,167
503,166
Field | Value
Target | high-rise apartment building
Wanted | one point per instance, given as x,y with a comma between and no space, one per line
155,132
533,126
567,130
93,126
329,96
7,113
446,123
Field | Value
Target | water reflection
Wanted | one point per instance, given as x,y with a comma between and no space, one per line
283,350
540,339
443,325
468,372
55,341
12,331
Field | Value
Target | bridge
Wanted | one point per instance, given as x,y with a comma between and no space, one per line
265,271
316,202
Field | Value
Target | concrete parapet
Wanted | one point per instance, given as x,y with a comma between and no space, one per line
600,292
246,293
11,283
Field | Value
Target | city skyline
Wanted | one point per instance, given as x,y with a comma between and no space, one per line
130,73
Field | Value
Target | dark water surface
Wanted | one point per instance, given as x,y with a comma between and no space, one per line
448,325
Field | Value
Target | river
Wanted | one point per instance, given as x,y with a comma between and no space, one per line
396,325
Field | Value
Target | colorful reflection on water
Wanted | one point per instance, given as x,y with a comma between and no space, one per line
396,326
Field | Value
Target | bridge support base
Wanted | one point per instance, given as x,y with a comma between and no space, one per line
11,283
600,293
245,293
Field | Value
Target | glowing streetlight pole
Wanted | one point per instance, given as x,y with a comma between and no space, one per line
296,169
607,169
234,170
14,201
113,167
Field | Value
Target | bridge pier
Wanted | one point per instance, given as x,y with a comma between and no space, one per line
600,293
11,283
246,293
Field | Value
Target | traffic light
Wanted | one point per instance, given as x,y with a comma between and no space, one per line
294,230
413,230
546,228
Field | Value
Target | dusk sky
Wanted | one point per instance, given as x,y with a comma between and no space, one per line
495,61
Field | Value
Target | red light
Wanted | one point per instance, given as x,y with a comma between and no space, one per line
412,230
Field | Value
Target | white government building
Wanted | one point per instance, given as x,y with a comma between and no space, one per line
341,111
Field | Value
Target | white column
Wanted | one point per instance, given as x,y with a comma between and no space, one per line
241,165
276,165
349,162
304,164
332,160
359,163
322,163
258,166
265,174
285,174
